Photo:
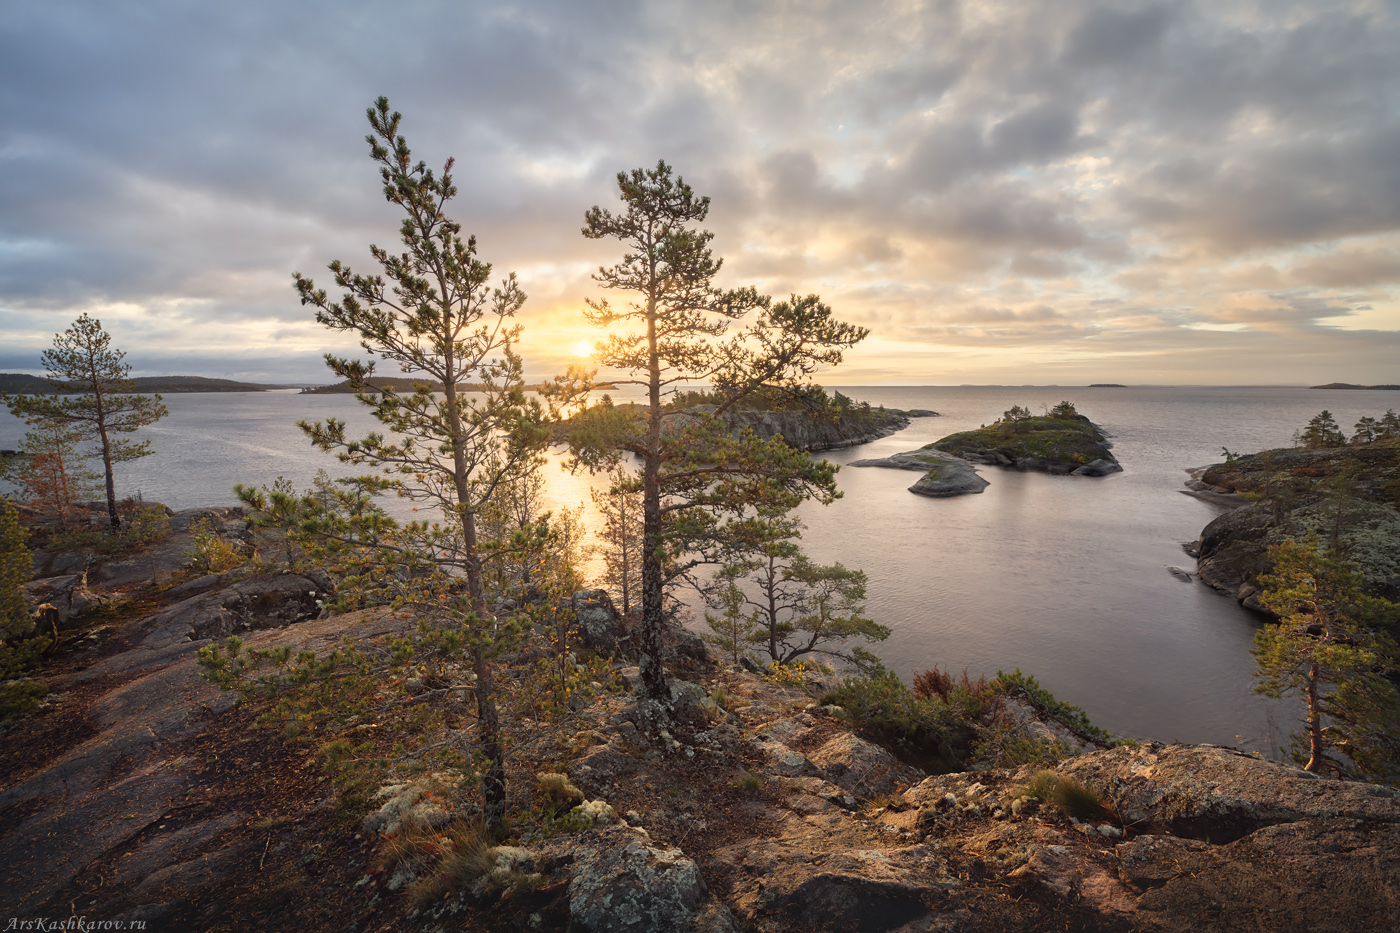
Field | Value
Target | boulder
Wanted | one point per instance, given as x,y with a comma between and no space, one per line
264,601
865,889
1098,467
599,623
162,559
622,884
603,766
68,594
1207,792
861,767
944,475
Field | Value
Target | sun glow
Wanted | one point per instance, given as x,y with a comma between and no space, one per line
583,348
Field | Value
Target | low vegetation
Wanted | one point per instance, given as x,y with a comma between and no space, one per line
943,723
1068,795
1062,435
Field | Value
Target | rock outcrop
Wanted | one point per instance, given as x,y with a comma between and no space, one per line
621,883
1347,496
944,475
752,808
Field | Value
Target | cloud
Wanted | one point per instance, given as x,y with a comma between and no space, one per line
1029,178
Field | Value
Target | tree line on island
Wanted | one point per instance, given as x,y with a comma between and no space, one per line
487,567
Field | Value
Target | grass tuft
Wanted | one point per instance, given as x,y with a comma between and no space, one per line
1075,799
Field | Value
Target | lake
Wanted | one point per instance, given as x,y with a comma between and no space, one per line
1064,577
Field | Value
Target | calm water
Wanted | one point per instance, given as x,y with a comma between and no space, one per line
1064,577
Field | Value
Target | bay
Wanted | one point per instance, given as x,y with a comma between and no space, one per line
1064,577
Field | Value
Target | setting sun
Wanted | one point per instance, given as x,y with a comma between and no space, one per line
583,348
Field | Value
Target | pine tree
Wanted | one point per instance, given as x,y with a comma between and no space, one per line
55,476
98,402
1390,424
620,507
447,450
789,605
1322,432
1335,646
1015,416
695,476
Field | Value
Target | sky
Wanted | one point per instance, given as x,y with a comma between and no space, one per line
1017,192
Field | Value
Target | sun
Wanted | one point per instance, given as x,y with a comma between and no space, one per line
583,348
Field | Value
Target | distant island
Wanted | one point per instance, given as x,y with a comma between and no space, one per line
23,384
1348,385
407,382
1107,385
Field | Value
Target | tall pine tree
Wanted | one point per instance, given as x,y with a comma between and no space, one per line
696,476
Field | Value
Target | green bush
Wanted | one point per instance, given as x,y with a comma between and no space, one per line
925,732
20,696
1073,717
19,648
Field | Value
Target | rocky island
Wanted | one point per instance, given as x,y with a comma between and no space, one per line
812,422
1347,495
1061,442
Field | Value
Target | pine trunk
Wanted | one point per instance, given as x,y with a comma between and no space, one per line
653,673
493,782
111,485
1314,722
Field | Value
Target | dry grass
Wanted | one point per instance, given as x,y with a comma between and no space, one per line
1072,797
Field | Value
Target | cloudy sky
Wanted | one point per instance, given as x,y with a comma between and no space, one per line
1003,192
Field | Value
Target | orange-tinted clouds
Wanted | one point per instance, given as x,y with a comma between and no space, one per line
1002,191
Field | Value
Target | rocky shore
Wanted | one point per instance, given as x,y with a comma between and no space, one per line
1348,496
763,809
812,432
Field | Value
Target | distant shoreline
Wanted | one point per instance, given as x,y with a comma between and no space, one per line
1348,385
24,384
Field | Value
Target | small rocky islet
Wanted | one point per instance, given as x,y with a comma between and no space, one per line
1067,444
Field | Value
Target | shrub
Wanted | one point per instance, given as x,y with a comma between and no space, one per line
1073,717
975,699
211,553
934,683
1003,745
923,731
749,783
558,789
20,696
19,648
